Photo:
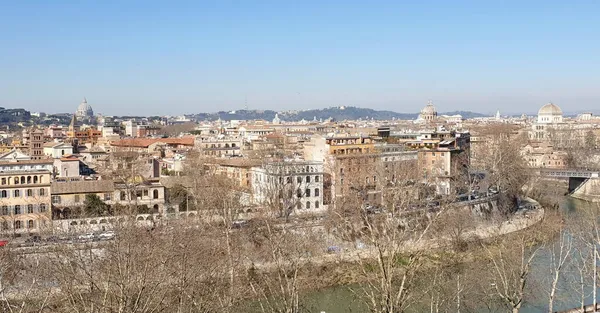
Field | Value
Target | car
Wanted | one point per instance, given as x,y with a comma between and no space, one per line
88,236
333,249
107,235
239,223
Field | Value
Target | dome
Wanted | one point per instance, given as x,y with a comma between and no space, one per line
429,109
550,109
84,109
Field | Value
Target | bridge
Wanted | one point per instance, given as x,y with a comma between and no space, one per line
579,178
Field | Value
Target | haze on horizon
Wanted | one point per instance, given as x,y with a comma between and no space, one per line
156,57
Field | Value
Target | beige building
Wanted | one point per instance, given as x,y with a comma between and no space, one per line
24,196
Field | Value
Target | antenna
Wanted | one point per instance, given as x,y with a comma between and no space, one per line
246,102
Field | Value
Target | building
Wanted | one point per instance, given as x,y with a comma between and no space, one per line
68,196
428,114
220,146
84,110
24,194
57,150
290,187
35,142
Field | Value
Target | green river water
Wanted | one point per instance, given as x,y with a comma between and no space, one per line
341,299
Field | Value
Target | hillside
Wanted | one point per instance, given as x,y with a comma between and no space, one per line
337,113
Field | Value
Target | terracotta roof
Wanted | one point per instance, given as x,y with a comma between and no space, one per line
146,142
84,186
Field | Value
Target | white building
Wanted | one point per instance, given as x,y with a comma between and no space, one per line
57,150
131,128
550,117
292,187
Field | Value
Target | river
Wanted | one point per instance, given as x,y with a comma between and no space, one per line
341,299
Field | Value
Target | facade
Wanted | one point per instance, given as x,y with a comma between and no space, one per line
24,196
292,186
68,196
57,150
221,146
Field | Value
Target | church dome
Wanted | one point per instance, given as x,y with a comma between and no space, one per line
429,109
550,109
84,109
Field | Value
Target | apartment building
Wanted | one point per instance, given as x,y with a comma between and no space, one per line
289,186
24,194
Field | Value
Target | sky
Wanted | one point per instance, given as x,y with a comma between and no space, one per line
174,57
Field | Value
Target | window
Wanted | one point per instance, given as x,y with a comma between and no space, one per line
29,192
4,181
3,194
298,179
307,205
145,193
17,193
316,192
43,207
30,224
56,199
123,196
316,204
289,180
29,179
298,193
42,192
107,197
16,180
308,179
77,198
155,194
4,210
17,209
316,179
30,208
18,225
307,192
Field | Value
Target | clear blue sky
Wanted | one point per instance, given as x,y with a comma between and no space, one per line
172,57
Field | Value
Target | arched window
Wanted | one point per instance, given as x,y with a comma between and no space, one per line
3,194
316,192
17,193
4,181
307,205
29,179
30,208
17,209
155,194
17,224
35,179
16,180
42,192
30,224
316,204
123,196
29,192
4,210
22,180
41,179
43,207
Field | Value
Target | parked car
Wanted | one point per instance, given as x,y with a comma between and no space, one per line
333,249
107,235
89,236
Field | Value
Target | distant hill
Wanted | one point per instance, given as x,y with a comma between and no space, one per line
337,113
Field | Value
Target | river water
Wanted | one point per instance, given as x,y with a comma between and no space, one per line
342,299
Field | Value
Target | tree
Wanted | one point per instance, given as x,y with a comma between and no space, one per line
94,206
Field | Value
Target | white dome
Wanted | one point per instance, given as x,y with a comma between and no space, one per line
550,109
84,109
428,109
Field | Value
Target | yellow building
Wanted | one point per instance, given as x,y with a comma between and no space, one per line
24,196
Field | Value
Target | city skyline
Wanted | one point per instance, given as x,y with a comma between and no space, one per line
191,58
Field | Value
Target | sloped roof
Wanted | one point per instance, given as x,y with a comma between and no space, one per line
146,142
84,186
